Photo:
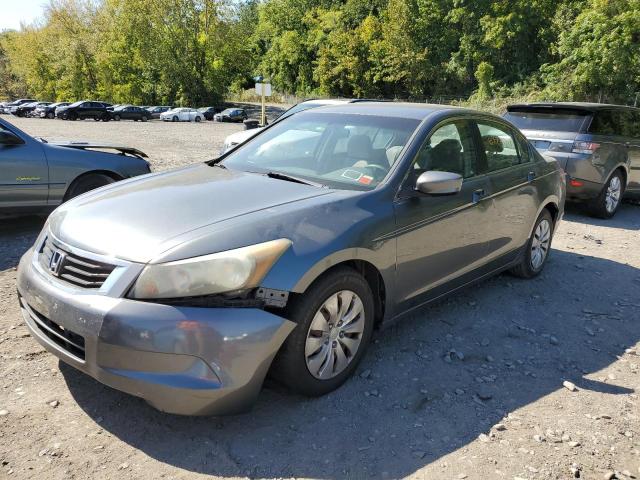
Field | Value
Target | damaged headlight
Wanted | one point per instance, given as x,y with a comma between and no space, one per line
230,271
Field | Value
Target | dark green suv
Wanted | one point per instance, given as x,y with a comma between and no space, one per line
598,146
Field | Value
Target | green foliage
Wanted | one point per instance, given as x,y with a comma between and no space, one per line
599,54
197,51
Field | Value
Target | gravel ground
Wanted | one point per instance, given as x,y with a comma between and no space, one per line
470,387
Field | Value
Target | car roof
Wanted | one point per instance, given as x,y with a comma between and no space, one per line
587,106
416,111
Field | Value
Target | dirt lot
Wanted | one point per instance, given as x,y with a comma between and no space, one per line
471,387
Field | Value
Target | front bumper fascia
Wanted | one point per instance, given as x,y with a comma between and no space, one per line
181,360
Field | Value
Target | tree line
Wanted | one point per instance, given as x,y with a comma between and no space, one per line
198,51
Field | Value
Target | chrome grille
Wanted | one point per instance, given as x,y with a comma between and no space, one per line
72,268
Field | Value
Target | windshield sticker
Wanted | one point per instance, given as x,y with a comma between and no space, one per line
365,180
352,175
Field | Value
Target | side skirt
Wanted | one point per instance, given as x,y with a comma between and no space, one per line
493,268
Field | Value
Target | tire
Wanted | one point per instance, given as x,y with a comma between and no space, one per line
144,119
116,118
197,119
72,116
86,183
607,203
174,119
529,266
297,358
51,115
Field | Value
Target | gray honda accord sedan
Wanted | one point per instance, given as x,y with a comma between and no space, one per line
188,287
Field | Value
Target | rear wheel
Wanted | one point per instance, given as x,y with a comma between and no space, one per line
174,119
197,119
51,115
144,118
607,203
86,183
334,326
537,248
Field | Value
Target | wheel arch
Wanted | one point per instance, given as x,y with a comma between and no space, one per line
109,173
364,266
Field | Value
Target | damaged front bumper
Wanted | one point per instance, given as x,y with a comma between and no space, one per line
182,360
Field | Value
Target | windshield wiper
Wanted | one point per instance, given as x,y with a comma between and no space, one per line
291,178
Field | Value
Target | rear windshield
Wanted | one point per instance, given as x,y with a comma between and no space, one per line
559,121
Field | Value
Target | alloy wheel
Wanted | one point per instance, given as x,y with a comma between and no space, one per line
334,335
612,197
540,244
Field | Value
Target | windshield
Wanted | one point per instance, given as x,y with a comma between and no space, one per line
77,103
559,120
343,151
228,111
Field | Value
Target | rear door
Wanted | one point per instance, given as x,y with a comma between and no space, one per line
24,174
504,158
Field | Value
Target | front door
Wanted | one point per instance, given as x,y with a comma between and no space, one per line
442,238
24,175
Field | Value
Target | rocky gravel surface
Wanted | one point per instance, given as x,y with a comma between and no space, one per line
509,379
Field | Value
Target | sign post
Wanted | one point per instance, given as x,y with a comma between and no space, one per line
264,90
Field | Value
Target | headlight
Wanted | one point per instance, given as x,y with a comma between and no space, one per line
222,272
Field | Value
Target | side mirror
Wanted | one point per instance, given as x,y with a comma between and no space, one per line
8,138
439,183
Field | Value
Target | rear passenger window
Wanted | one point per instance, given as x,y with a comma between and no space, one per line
635,115
628,124
606,122
499,147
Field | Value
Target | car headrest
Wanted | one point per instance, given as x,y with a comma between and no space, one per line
492,143
392,154
359,146
448,147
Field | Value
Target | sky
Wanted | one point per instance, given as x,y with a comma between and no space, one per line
12,12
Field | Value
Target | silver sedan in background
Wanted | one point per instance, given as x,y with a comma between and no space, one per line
182,114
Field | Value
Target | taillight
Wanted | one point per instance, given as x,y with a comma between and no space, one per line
585,147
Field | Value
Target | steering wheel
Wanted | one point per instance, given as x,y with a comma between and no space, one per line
377,168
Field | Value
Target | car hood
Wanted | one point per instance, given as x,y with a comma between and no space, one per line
138,219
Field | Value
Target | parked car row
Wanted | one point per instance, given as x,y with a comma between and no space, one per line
104,111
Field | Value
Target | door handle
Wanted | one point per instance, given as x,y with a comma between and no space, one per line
478,195
531,176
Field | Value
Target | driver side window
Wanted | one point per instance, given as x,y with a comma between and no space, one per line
450,148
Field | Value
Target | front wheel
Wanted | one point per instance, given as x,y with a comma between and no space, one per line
334,326
174,119
197,119
607,203
87,183
537,248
